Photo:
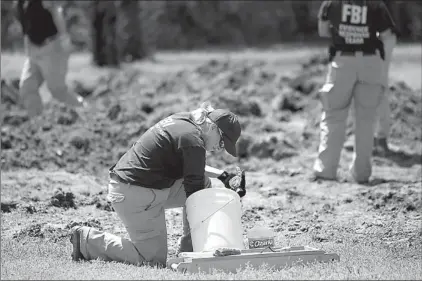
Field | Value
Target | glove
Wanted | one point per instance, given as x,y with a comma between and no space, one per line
235,181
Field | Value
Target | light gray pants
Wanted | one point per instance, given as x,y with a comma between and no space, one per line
47,63
356,77
384,111
142,212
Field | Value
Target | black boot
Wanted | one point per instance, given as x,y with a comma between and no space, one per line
381,146
185,244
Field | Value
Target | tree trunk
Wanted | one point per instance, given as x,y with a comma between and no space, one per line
104,43
130,31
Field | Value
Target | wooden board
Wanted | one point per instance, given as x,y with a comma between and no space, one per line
276,258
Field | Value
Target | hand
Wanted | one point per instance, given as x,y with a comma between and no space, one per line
235,181
241,190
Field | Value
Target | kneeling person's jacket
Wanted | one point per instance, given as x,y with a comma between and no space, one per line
171,149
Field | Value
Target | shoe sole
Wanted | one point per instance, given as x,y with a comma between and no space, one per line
75,239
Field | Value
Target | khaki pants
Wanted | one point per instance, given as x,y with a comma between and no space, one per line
357,77
46,63
384,112
142,212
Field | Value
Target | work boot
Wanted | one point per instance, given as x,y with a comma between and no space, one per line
382,143
75,239
10,92
185,244
381,146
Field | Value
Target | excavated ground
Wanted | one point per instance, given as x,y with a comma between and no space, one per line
54,168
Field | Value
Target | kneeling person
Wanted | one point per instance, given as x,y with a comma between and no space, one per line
160,171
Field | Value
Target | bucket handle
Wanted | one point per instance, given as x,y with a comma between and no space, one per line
193,228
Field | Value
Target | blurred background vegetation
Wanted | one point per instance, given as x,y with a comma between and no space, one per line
127,30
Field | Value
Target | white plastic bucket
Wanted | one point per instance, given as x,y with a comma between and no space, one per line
214,216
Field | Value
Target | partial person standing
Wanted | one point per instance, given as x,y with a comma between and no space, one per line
384,111
47,47
355,73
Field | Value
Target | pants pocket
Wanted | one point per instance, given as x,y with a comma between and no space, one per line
324,93
135,197
115,197
331,73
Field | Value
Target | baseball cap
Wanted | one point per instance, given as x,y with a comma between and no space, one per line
229,124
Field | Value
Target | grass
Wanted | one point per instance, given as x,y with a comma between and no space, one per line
362,255
51,261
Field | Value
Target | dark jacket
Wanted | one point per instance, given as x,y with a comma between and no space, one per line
37,22
355,24
170,150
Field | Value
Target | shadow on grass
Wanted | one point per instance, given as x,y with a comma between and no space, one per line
378,181
401,158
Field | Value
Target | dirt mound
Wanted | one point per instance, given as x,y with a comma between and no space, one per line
406,112
395,197
91,223
7,207
99,201
126,104
63,199
52,232
48,231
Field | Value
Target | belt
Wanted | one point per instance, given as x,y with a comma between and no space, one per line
353,53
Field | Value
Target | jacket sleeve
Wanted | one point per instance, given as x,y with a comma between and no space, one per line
324,10
384,19
393,10
193,169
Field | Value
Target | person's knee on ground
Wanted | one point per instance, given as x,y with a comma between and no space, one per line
90,243
141,210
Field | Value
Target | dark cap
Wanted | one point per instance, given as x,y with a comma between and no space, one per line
229,125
